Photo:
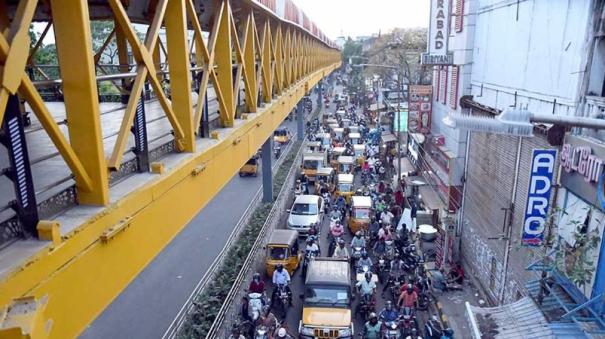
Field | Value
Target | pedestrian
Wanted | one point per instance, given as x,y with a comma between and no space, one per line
399,198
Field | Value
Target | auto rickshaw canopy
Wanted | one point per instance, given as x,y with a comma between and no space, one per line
283,238
361,202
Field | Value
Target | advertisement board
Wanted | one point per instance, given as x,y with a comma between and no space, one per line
420,108
538,196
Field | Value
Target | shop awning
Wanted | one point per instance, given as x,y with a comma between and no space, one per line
431,198
388,138
415,181
376,107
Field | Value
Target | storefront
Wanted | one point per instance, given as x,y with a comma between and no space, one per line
440,163
581,202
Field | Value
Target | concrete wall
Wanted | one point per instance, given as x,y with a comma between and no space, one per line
535,48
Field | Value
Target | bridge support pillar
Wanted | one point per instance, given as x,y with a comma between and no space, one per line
300,125
267,154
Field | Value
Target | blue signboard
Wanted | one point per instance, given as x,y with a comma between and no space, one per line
538,196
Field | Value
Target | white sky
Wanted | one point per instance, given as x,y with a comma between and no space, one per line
364,17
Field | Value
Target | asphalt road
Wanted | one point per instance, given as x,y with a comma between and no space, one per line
148,305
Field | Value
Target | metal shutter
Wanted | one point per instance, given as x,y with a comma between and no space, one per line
454,88
520,257
489,183
459,16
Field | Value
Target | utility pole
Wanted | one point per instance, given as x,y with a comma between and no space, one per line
399,90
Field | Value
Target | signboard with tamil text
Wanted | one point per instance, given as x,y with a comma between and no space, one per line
538,196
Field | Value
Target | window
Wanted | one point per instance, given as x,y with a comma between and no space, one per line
304,209
454,87
443,83
278,253
458,23
362,213
334,296
573,219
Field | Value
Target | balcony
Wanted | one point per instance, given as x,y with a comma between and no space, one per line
595,106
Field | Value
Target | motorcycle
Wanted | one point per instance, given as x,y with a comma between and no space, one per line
392,330
365,307
433,329
355,255
383,269
261,332
309,256
277,151
255,305
408,321
284,299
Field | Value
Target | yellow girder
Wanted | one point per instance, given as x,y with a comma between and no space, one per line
73,279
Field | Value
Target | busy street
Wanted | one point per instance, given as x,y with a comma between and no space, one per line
313,169
363,228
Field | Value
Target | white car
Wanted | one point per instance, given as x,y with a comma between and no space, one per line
307,210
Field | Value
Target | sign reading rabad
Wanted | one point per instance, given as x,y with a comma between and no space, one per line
438,33
538,196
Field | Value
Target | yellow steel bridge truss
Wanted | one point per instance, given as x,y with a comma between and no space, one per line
71,279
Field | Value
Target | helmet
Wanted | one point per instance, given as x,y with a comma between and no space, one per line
410,288
281,333
279,267
256,276
358,234
364,254
266,309
373,316
389,305
341,243
368,276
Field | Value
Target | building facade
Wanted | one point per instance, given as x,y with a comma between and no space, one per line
544,56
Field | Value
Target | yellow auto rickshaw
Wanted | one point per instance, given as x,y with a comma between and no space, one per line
311,162
345,164
336,153
282,248
312,146
359,154
344,186
325,174
355,138
339,133
250,167
281,135
359,218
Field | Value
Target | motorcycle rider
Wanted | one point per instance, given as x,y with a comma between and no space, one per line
358,240
409,298
312,247
388,313
236,334
371,329
281,277
337,230
336,214
365,260
256,285
366,286
282,333
341,251
385,233
269,319
386,217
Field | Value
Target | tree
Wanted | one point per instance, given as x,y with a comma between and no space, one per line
100,31
402,49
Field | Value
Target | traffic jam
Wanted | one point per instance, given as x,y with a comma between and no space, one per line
348,261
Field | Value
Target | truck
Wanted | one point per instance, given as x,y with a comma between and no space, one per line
327,300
